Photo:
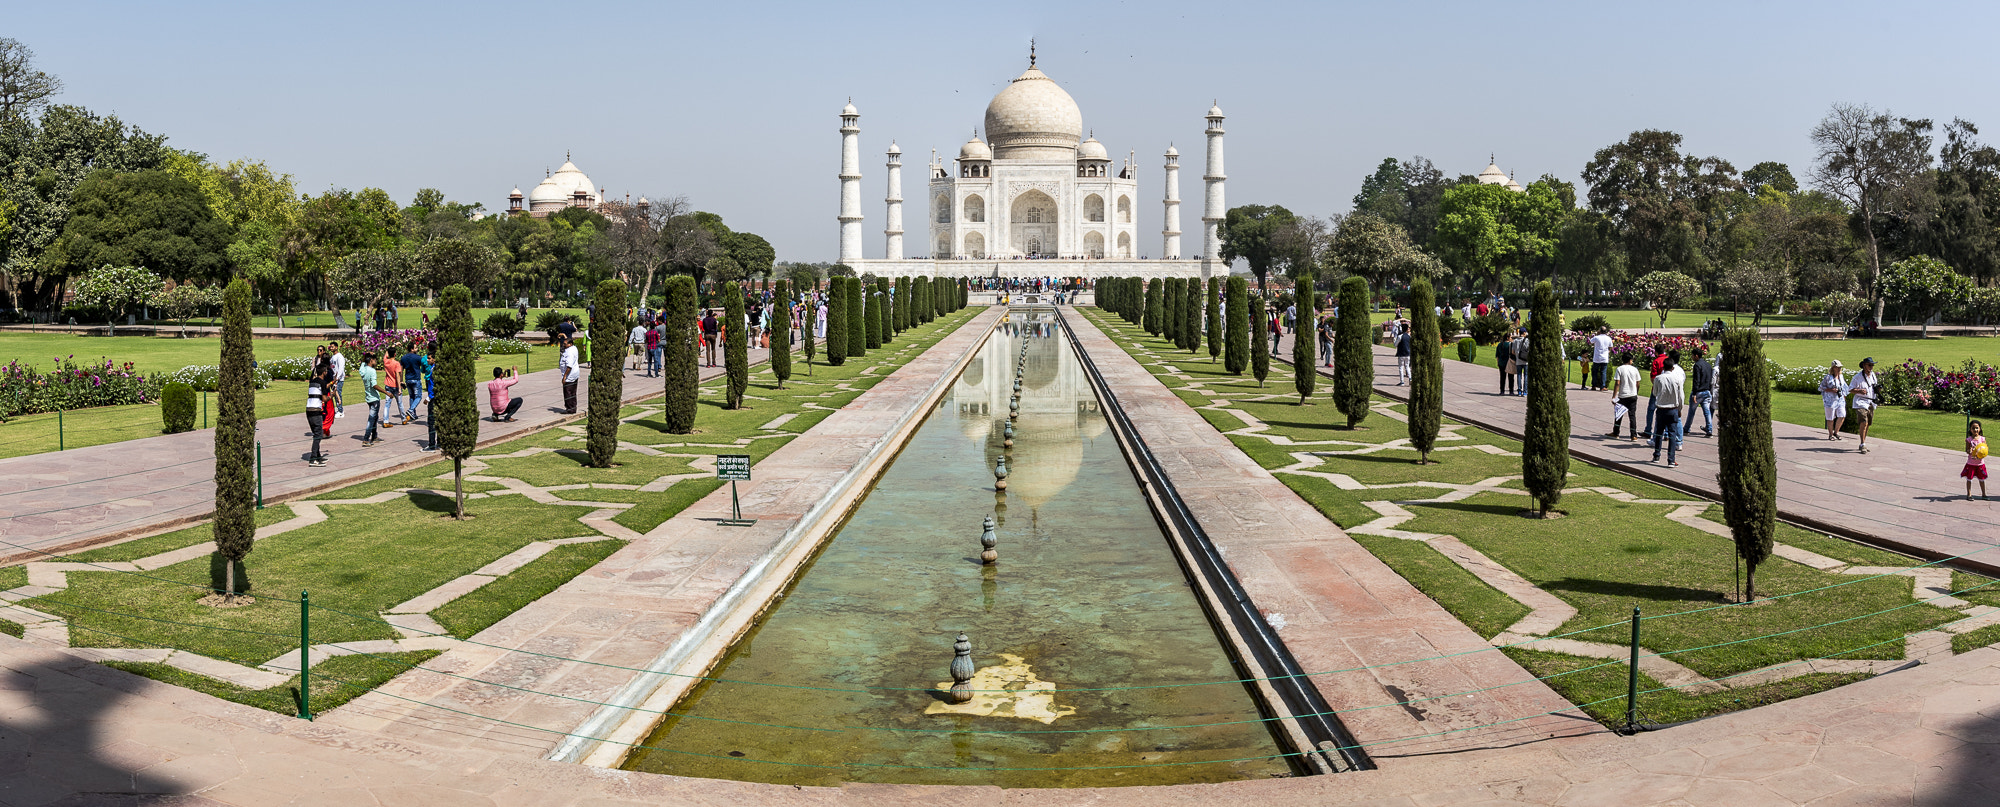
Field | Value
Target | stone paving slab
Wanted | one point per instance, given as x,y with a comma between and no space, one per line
62,501
1336,605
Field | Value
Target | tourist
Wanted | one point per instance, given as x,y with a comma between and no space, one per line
567,366
1833,394
371,393
1865,387
1669,390
430,388
1659,362
338,360
316,421
637,342
1600,359
1625,396
413,381
651,341
581,341
1701,389
1521,364
1503,357
392,383
1975,458
1326,340
711,333
1402,356
504,406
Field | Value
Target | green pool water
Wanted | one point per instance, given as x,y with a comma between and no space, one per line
1086,596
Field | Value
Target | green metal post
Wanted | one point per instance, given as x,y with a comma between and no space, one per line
305,648
204,410
59,430
1632,680
260,476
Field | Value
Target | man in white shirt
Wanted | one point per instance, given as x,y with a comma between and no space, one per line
1600,358
1862,388
637,346
571,373
1669,391
339,361
1833,397
1625,393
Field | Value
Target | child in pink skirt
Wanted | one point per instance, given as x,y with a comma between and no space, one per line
1975,458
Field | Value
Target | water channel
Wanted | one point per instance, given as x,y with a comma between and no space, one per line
1086,594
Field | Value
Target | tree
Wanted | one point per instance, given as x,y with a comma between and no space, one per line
607,373
1744,453
1490,232
682,376
1927,284
1426,404
1841,308
871,317
456,407
1156,307
185,300
1372,247
887,301
735,346
1170,329
1664,291
235,526
448,261
1661,201
116,289
143,218
1545,433
781,332
376,276
722,269
751,252
1191,308
1212,312
901,303
808,320
1260,339
1353,358
836,321
1756,285
1236,353
1305,364
1246,233
1773,175
857,318
1873,162
69,144
23,89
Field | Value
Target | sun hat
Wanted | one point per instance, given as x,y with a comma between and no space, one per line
1836,363
1869,360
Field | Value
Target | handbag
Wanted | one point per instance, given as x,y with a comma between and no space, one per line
1511,367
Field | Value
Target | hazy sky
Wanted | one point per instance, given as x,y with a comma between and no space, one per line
735,104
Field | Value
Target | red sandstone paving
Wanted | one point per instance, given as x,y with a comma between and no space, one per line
69,499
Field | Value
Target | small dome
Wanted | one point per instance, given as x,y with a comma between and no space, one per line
516,194
563,185
1092,150
975,150
1215,111
849,109
643,202
1173,152
1032,118
893,149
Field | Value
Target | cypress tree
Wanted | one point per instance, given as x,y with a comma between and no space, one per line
886,318
871,316
1747,463
1353,361
1305,365
1155,306
1545,435
927,298
607,374
235,524
857,320
456,408
1191,309
1260,340
1171,328
681,376
781,332
1426,407
735,347
1236,355
1212,310
808,319
836,321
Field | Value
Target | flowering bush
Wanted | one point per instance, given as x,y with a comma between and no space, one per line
1794,379
202,377
1642,346
290,368
1973,387
68,385
499,347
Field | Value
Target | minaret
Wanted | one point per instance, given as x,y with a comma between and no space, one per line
850,185
894,230
1171,233
1213,208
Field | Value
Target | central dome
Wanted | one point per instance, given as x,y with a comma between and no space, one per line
1033,119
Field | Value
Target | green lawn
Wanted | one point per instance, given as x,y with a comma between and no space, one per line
365,559
335,681
1606,557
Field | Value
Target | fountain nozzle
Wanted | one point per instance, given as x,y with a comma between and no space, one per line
989,541
961,670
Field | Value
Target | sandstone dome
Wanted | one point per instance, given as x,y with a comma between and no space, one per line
1092,150
562,185
1033,119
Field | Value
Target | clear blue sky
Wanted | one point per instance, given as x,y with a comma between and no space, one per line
734,104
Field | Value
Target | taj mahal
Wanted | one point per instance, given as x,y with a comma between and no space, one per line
1034,198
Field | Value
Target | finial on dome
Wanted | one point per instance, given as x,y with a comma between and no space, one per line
1031,51
566,155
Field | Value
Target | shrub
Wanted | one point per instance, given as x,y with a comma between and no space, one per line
1448,326
1305,365
204,377
681,373
500,325
26,391
456,407
289,368
1426,404
1589,324
1488,329
177,408
735,343
607,375
235,525
550,320
1353,363
1468,350
1744,452
1236,353
499,347
1545,433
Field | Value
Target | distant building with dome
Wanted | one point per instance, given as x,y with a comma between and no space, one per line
1034,198
1494,176
566,188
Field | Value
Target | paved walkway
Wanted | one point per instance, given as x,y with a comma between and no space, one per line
60,501
1899,495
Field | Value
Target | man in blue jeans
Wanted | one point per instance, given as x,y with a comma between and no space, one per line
371,390
413,381
1668,392
1701,389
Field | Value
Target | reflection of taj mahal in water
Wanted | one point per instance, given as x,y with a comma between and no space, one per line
1059,410
1033,199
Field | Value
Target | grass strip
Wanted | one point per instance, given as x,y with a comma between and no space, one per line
480,608
1667,706
361,673
1487,611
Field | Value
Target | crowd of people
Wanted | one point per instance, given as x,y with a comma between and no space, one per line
384,379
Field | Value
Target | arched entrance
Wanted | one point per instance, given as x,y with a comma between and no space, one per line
1032,221
1093,245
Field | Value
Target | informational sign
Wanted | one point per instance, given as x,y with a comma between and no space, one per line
732,467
